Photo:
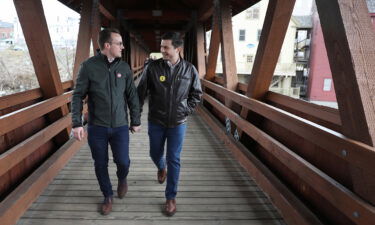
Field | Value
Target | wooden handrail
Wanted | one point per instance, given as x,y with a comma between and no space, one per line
19,152
67,84
22,150
17,202
25,96
19,98
137,68
20,117
356,153
290,206
339,196
322,115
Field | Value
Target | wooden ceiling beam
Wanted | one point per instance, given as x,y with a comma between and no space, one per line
106,13
155,14
205,11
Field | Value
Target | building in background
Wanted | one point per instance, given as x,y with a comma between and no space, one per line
321,89
6,30
302,53
247,28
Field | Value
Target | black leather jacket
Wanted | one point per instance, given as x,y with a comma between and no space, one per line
172,97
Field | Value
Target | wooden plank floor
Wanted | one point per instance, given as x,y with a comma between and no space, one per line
213,189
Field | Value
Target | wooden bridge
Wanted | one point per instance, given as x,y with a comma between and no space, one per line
281,160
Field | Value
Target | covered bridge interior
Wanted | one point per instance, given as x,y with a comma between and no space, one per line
316,164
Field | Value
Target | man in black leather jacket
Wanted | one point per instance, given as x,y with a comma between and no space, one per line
174,91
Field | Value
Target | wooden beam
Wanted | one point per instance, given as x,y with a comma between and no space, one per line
213,50
19,98
25,96
20,117
293,211
349,38
354,208
273,32
162,14
205,11
227,44
35,30
17,202
84,36
271,40
322,115
361,155
201,50
15,155
95,27
106,13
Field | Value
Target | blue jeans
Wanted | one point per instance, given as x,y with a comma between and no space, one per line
175,137
118,138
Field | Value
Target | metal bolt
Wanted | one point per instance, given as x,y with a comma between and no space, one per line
344,153
356,214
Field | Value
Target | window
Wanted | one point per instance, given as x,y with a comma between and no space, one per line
256,13
249,14
249,58
259,33
252,13
327,84
242,35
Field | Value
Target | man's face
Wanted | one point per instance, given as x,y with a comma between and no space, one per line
168,50
115,46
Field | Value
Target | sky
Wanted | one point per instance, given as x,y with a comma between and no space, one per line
54,7
51,8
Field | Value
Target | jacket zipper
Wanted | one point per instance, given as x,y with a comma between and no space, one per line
110,93
171,102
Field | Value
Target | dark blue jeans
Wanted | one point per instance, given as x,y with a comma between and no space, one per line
118,138
174,136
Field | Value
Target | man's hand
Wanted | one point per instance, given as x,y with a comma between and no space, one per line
79,133
135,129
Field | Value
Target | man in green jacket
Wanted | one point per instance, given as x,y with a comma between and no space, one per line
108,83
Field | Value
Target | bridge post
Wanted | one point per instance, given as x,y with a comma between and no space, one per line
38,40
350,42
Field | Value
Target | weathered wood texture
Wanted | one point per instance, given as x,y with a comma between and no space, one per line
84,36
224,12
214,49
213,187
25,145
349,37
201,50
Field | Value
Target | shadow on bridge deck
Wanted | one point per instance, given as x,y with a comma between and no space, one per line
214,188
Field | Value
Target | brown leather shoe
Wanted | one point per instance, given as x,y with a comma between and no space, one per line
170,207
162,175
122,188
106,205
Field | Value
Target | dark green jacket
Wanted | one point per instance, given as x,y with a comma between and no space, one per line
110,90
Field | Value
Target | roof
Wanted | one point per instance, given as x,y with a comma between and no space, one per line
5,24
146,20
304,21
371,6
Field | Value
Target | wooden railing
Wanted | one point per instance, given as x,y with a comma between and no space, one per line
23,182
137,71
299,168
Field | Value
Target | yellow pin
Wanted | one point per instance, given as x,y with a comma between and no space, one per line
162,78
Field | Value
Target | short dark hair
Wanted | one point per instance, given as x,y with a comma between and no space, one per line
174,37
105,36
